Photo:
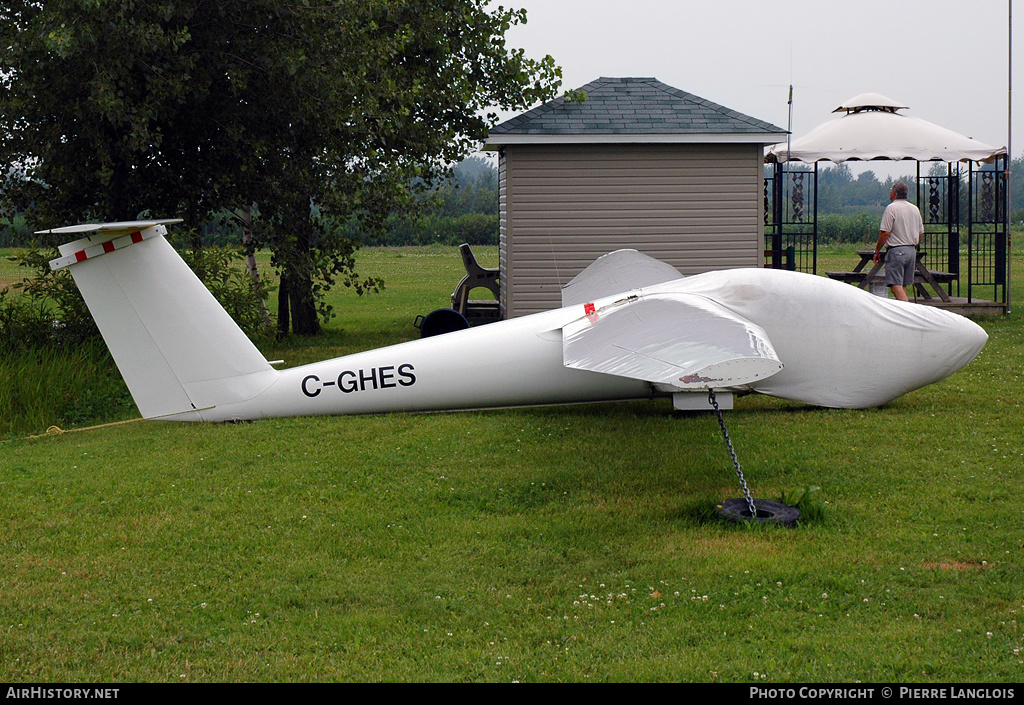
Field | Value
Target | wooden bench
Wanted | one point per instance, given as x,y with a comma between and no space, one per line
861,278
866,279
848,277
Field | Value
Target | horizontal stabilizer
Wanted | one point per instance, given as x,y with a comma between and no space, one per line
681,341
122,228
614,273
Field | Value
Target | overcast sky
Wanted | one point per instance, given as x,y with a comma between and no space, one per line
945,59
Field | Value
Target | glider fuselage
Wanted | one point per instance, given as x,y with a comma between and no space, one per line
786,334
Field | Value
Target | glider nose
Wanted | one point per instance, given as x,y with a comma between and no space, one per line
962,342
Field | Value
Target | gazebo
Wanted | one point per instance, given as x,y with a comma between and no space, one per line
964,209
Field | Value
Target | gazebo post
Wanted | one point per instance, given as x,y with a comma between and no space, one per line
814,228
970,233
870,128
778,211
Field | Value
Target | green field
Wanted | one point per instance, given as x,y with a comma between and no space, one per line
560,544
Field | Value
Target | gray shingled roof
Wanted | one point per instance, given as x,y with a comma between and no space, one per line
634,106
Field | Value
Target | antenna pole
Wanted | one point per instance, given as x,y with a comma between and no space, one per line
789,127
1009,145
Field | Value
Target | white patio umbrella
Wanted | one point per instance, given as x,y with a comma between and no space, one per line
871,128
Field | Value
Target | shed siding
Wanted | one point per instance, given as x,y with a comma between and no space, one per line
503,293
697,207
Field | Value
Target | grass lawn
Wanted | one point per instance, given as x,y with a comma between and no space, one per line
573,543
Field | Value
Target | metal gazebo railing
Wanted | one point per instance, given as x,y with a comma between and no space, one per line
964,213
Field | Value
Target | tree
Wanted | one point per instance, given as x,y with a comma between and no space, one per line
316,112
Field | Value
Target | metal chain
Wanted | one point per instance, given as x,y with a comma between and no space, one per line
732,454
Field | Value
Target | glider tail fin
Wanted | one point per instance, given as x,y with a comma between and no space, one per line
615,273
178,350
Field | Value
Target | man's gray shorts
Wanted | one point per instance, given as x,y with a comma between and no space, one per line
899,265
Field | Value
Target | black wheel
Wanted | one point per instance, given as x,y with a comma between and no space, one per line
768,512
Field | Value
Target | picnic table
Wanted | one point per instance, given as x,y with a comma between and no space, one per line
861,276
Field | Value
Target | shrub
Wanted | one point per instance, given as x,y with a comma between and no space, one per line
50,311
856,228
62,387
225,275
15,231
473,228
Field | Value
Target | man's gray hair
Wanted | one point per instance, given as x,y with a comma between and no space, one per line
901,189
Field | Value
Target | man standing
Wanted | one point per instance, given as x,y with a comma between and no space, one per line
900,233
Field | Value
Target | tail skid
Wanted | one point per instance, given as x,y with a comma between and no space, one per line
179,352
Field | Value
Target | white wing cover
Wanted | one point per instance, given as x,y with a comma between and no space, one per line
678,341
841,346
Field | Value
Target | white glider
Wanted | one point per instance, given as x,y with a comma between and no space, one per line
631,328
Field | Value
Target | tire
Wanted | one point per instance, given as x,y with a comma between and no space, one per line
768,512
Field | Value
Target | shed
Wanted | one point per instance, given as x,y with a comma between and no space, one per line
635,164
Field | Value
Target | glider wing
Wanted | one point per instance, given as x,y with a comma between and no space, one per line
680,341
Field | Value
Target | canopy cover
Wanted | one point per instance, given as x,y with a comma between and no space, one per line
872,128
